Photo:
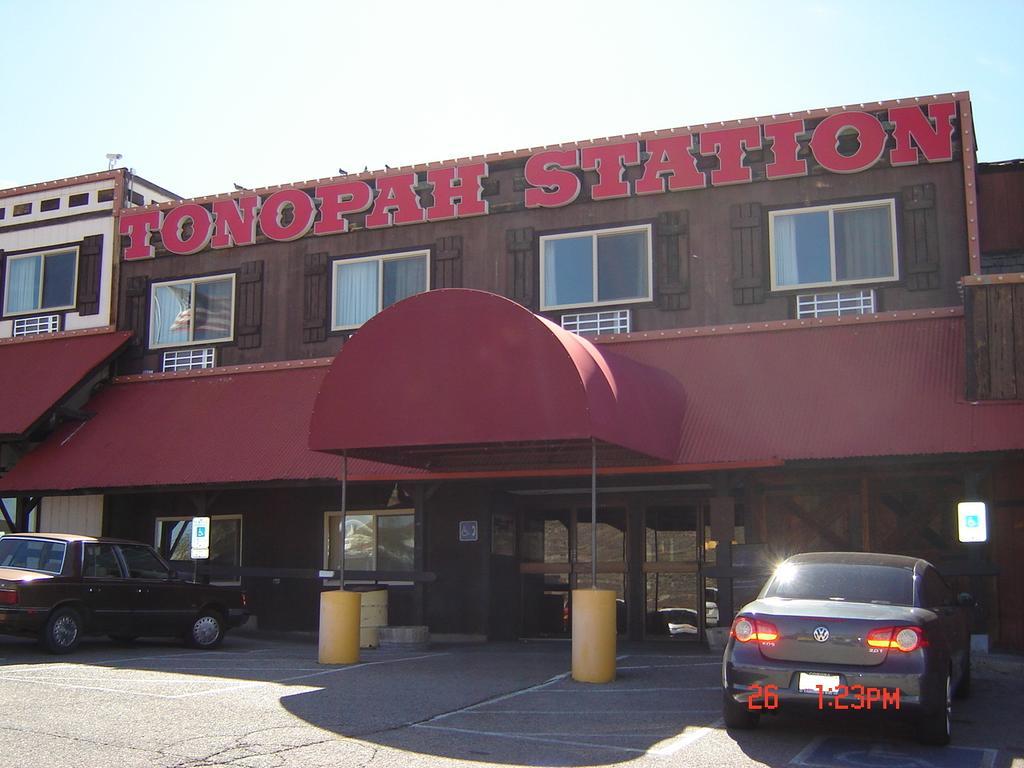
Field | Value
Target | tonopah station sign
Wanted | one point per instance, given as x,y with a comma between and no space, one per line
667,163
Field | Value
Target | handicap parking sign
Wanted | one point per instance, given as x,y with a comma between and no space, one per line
835,752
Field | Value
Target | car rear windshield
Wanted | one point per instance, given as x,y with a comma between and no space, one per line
32,554
843,582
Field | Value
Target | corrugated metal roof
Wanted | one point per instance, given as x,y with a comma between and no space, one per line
36,373
201,430
879,389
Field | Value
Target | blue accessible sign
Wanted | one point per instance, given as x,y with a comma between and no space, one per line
834,752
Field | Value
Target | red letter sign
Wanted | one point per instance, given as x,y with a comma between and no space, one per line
338,199
397,202
870,135
467,192
610,161
909,123
272,216
551,185
137,226
235,221
785,148
671,159
730,145
174,224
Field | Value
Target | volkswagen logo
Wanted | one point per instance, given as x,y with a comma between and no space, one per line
821,634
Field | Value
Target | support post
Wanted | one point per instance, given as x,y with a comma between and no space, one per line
340,610
593,610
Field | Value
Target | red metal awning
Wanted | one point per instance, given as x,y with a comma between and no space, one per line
458,380
858,388
222,427
39,372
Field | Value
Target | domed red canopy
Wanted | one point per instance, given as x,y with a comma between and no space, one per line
461,380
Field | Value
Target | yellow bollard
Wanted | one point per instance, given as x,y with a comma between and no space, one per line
339,627
593,635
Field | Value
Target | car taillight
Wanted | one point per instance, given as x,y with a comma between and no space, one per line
905,639
245,600
8,597
745,630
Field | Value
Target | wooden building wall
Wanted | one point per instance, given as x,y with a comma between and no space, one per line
994,329
711,255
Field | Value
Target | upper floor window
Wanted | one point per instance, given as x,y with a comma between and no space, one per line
194,311
365,286
40,281
602,266
833,245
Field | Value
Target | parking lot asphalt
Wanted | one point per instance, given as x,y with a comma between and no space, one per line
268,703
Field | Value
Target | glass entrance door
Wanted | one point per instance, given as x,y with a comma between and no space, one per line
677,605
556,556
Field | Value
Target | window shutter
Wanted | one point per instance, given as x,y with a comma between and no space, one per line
520,245
134,316
672,231
920,237
316,298
250,305
747,251
90,268
447,266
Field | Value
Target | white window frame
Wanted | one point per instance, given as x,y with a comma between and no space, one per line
193,281
594,234
336,514
380,259
42,281
831,209
213,518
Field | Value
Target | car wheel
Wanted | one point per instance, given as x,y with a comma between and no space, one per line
207,631
936,725
63,631
737,715
963,690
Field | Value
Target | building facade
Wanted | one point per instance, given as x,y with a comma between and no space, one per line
805,289
58,278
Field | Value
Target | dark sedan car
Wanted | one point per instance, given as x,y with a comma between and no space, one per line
844,630
59,587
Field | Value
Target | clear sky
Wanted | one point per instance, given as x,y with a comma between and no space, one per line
198,96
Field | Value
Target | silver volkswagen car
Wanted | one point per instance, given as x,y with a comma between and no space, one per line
836,631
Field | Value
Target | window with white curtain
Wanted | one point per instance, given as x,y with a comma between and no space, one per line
197,311
839,244
364,286
41,281
602,266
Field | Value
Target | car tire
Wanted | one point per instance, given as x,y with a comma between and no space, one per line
206,631
936,724
963,690
737,716
63,631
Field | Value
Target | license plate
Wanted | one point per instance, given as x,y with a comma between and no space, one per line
809,683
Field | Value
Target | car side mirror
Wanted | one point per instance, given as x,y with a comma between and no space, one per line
965,600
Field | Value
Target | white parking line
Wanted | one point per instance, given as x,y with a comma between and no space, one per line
635,690
663,711
686,739
242,685
517,737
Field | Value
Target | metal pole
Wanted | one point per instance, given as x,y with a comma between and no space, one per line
344,507
593,513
